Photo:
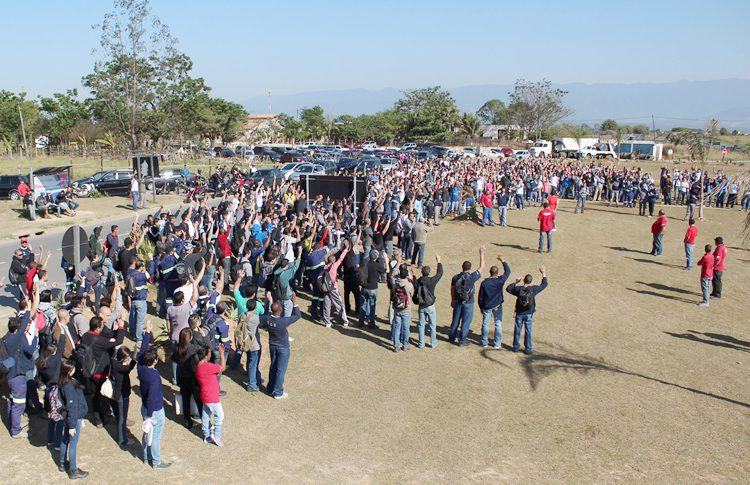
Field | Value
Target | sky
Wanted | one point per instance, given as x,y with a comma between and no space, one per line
245,48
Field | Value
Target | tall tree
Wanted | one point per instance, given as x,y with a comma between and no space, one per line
543,106
136,52
470,126
608,125
12,106
314,122
494,112
427,114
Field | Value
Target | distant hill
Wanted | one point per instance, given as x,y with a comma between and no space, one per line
679,103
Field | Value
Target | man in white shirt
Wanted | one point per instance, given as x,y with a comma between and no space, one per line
134,191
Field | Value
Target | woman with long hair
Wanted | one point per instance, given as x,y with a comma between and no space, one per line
49,363
185,358
76,409
122,364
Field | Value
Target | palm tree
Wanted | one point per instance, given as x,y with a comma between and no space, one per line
470,126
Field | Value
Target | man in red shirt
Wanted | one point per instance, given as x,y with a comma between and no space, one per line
657,231
546,220
23,189
690,235
553,200
707,273
487,203
720,256
207,376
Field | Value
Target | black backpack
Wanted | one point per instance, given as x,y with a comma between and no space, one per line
525,299
399,298
14,278
324,282
362,275
276,290
83,356
462,288
420,294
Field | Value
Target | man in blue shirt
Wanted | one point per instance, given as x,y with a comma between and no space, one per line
278,340
490,301
136,284
462,299
525,308
152,397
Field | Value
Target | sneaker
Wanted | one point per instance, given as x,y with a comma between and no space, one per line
346,324
218,442
291,339
497,347
282,396
161,466
78,473
20,435
484,346
328,325
209,440
703,303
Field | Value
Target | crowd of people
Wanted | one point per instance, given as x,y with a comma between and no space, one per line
219,271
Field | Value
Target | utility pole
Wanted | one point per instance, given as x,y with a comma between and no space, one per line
653,127
23,130
269,102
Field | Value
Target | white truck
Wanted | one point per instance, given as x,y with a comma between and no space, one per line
560,147
600,150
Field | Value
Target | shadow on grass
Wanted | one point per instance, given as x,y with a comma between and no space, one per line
716,339
516,246
659,263
662,295
539,365
659,286
627,250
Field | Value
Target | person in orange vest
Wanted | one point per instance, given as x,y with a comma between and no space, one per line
657,231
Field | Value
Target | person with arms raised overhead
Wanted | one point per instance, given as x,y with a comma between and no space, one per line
525,308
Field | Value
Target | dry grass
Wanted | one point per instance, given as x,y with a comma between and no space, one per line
631,381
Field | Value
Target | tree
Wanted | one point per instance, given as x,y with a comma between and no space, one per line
64,111
537,106
291,129
426,114
137,55
723,131
12,105
609,125
314,122
640,129
494,112
470,126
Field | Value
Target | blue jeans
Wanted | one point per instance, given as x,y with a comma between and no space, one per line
525,321
254,379
405,244
138,310
277,372
487,216
463,313
69,445
400,329
706,289
418,255
504,216
427,315
657,246
548,234
495,314
152,453
369,300
55,432
215,410
689,255
121,411
136,196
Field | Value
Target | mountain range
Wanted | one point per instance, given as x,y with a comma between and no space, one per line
678,103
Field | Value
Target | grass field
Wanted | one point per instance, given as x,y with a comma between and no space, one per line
631,381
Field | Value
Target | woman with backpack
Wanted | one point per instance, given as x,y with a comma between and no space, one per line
75,410
185,358
122,364
49,363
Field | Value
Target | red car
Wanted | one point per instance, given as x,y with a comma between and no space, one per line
507,152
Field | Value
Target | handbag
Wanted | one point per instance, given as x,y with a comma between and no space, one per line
107,389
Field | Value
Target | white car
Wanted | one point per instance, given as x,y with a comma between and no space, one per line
306,169
521,154
408,146
388,164
369,145
288,168
305,146
471,152
541,149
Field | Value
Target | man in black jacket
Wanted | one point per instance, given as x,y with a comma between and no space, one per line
424,296
102,342
17,274
490,302
525,308
372,271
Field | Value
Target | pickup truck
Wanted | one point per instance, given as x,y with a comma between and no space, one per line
602,150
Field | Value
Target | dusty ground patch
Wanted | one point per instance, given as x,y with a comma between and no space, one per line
631,380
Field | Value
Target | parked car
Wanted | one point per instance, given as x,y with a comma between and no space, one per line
470,152
265,175
267,153
507,151
306,169
346,163
224,152
9,186
521,154
292,157
407,146
602,150
388,164
110,182
287,169
369,145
